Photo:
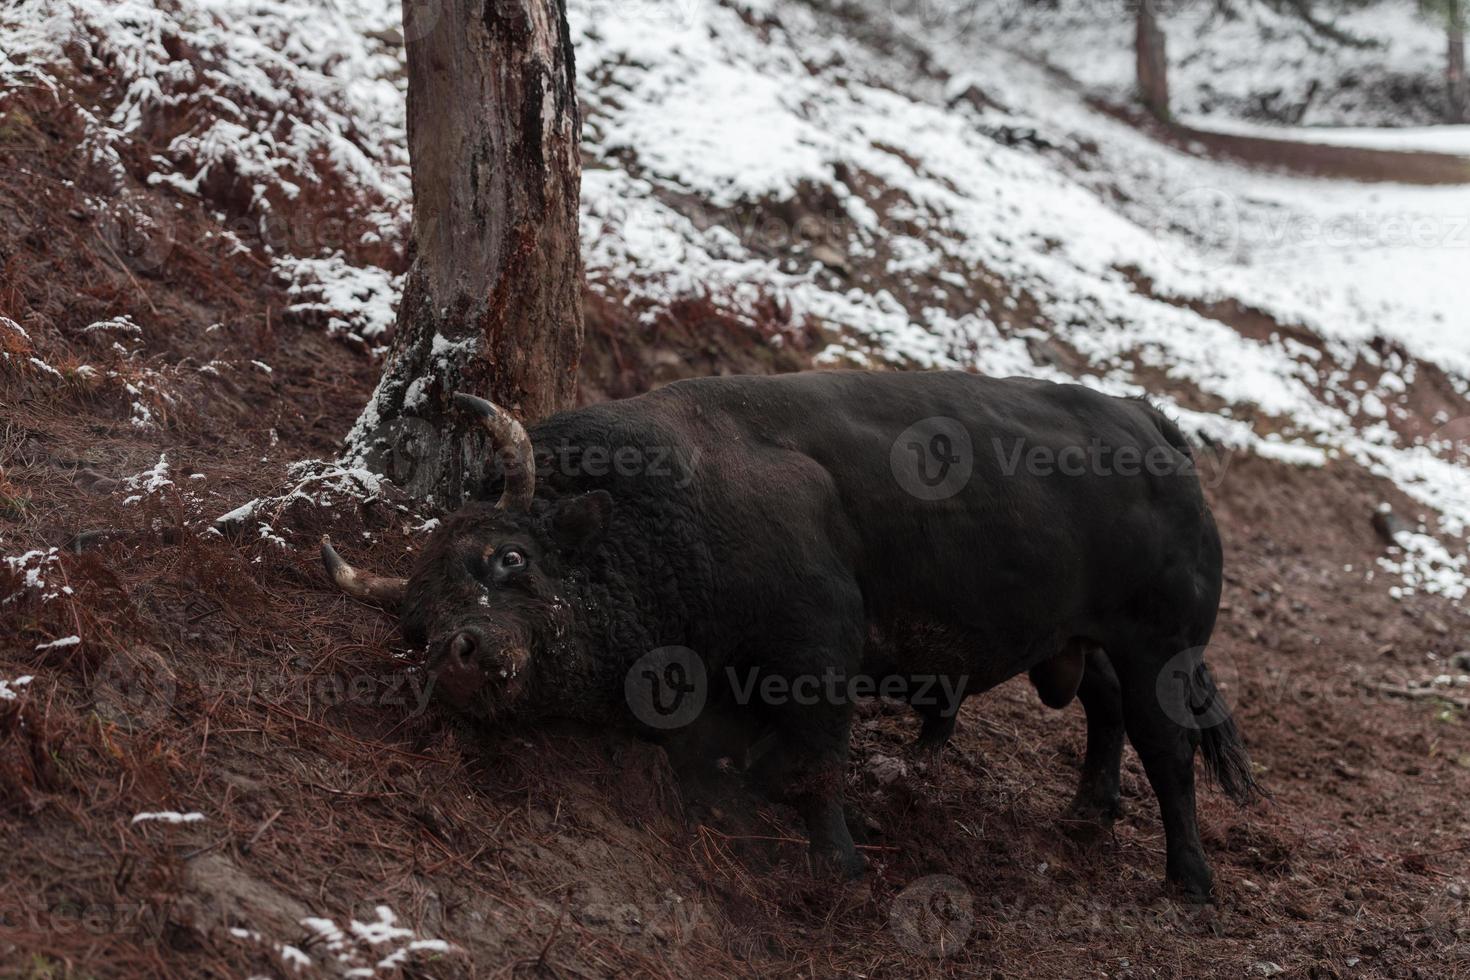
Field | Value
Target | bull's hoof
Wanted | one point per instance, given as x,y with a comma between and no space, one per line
935,733
1088,821
848,866
1192,881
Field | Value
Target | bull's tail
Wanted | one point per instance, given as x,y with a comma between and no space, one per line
1171,432
1226,759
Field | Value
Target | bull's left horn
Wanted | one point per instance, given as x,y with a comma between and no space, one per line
363,585
510,442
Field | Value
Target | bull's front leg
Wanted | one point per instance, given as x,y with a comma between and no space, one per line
806,766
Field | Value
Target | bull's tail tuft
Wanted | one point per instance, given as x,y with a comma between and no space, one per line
1226,759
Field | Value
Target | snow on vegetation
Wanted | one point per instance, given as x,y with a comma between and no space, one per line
151,481
166,816
37,574
252,105
378,947
352,301
318,483
11,690
1426,565
313,70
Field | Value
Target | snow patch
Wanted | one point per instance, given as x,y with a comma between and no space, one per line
10,690
166,816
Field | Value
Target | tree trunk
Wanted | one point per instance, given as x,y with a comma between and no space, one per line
493,300
1457,84
1153,62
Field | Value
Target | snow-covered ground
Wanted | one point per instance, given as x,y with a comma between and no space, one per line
1245,60
955,214
1062,227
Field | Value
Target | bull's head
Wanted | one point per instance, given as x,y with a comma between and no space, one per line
488,596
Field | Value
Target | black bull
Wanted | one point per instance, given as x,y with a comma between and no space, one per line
931,534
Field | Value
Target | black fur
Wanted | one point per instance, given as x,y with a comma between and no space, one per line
760,522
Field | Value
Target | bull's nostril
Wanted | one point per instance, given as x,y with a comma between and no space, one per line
462,647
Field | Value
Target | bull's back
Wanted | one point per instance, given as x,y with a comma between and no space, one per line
951,499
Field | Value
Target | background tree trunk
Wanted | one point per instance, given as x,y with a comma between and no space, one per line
1456,82
492,303
1153,63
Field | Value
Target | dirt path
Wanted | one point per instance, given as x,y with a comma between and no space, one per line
1323,160
1306,159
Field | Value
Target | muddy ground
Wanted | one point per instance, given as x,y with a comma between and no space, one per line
218,673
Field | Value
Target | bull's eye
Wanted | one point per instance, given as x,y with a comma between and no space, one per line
513,558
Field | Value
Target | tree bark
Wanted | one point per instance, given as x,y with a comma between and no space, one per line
492,302
1152,61
1455,81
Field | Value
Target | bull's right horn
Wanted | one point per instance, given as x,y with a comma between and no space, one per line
509,440
363,585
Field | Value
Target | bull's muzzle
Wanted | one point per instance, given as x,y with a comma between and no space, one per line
475,667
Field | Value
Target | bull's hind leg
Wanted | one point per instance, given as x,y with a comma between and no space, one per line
937,699
937,728
1157,714
1099,801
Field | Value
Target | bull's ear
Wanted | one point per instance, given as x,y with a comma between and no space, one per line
578,524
